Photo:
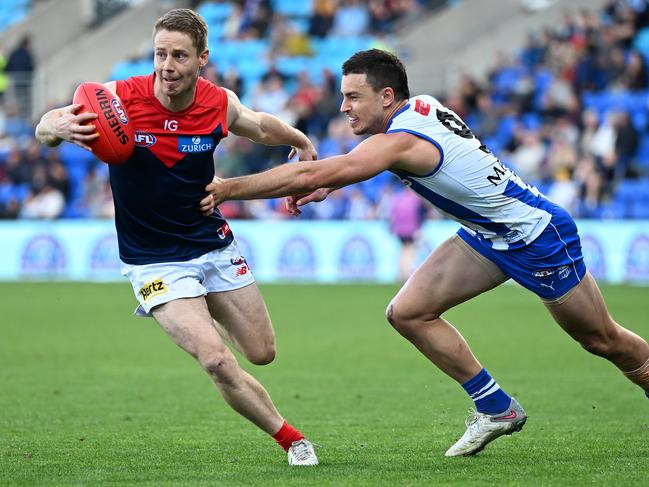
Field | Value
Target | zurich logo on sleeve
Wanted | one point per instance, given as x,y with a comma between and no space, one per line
195,143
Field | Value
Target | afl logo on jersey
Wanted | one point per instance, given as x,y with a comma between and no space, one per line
195,143
144,139
119,111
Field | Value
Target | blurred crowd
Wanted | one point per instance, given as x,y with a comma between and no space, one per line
568,112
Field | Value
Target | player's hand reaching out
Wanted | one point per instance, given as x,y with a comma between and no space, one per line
208,204
294,202
305,153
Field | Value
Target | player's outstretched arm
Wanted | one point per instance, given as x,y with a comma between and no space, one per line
371,157
267,129
65,124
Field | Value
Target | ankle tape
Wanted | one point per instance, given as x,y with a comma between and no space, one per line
640,375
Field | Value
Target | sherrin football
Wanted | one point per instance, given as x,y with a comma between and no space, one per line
116,136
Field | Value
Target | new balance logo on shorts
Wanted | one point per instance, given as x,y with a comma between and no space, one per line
151,289
242,268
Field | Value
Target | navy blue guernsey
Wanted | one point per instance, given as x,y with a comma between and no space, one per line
157,191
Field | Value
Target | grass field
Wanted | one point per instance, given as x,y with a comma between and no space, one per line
91,395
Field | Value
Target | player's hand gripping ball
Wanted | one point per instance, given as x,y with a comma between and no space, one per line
116,142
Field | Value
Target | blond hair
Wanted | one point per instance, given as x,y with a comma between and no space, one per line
186,21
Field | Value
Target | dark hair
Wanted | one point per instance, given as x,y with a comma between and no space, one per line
186,21
382,69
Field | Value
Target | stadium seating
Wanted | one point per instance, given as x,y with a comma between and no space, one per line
12,12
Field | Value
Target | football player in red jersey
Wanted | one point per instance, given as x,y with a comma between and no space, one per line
184,265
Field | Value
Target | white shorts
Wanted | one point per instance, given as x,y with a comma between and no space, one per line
217,271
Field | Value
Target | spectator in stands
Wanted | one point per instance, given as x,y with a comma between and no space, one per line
257,15
589,126
20,67
591,186
331,210
289,41
98,200
602,142
635,76
381,17
528,157
16,125
4,79
17,169
406,218
358,205
564,190
351,18
271,96
322,19
45,201
10,209
626,145
57,174
303,102
561,158
533,53
326,107
485,117
232,26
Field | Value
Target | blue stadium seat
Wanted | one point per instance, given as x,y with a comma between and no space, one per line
292,65
613,210
531,121
641,41
12,12
640,209
293,8
9,191
21,191
642,155
214,13
137,67
5,193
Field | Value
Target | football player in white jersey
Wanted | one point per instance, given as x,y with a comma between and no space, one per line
509,230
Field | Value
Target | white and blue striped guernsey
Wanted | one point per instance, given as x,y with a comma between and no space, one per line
470,185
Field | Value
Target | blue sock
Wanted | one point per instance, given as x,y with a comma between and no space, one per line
489,398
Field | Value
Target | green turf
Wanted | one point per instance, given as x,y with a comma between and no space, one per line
93,396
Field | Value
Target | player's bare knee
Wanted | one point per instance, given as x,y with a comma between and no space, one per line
261,355
394,317
600,344
406,322
397,319
221,366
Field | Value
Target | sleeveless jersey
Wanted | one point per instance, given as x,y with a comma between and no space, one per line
157,191
470,185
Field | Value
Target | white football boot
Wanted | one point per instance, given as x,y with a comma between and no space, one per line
302,453
484,428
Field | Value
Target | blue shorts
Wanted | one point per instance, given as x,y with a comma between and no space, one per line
550,266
